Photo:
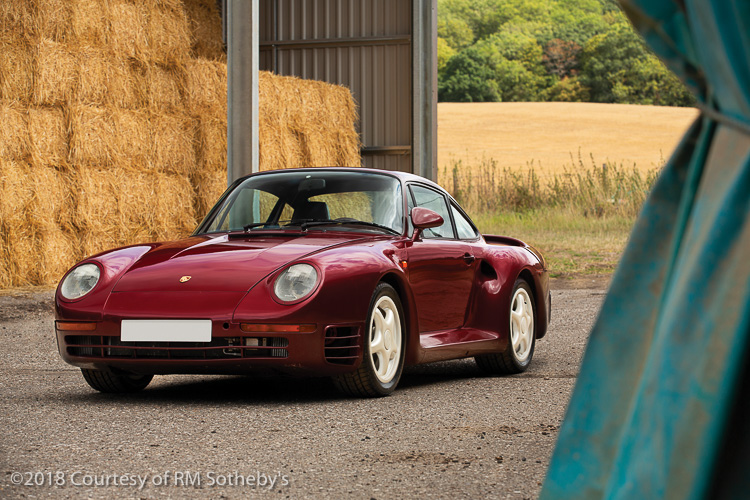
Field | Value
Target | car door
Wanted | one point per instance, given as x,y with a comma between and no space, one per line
441,268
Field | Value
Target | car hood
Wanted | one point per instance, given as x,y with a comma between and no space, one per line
221,263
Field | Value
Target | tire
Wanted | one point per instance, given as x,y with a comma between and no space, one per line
522,335
111,382
383,349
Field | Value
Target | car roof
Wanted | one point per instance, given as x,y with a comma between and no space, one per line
403,176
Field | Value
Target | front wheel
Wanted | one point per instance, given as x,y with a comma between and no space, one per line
517,355
383,356
112,382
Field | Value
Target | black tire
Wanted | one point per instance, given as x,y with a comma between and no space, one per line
510,361
367,382
111,382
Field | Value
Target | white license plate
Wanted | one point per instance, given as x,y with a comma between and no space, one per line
166,330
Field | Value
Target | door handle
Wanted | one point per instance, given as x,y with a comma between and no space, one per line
468,258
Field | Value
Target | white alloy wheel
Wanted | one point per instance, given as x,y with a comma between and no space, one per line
385,339
521,324
517,354
383,346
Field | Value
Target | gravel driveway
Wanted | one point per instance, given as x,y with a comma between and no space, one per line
447,432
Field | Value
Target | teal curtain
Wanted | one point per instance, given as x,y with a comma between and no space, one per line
660,408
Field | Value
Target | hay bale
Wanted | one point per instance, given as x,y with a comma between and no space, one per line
15,192
304,132
168,32
209,186
212,143
204,20
48,133
22,258
102,77
92,136
17,19
57,251
207,87
14,132
54,19
16,68
128,24
132,137
54,73
121,206
89,21
166,86
51,199
172,148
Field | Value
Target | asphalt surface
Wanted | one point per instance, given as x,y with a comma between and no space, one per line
447,432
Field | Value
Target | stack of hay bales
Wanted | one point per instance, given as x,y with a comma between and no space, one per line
113,127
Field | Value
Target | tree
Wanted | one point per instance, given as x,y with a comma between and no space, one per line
468,78
561,57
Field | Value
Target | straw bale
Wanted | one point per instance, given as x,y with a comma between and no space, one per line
129,24
168,33
48,133
17,18
205,25
89,21
314,127
54,19
207,87
212,143
133,138
51,199
173,143
16,68
56,251
94,70
122,206
55,73
15,192
93,136
209,186
166,85
14,132
22,259
102,77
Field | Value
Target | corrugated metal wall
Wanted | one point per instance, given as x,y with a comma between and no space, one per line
363,44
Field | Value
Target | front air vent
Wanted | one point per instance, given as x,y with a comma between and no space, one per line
342,345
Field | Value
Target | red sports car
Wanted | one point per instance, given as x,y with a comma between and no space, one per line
348,273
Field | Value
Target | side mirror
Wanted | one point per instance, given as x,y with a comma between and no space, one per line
424,218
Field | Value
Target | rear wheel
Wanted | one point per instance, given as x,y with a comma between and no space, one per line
383,356
520,349
112,382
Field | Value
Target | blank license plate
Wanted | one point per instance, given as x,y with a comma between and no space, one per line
166,330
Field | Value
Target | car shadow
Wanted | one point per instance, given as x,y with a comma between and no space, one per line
254,390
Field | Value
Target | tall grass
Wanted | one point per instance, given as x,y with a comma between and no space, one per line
589,190
580,219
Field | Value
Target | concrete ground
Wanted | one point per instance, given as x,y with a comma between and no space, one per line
447,432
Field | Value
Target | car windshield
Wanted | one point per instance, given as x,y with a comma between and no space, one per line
351,201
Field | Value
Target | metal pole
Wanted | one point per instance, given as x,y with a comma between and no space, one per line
242,88
424,95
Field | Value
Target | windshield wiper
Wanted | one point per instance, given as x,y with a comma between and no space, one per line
345,220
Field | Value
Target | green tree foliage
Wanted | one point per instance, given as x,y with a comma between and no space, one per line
530,50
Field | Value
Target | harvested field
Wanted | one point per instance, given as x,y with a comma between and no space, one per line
548,134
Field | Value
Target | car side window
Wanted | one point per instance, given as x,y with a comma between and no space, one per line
463,227
429,198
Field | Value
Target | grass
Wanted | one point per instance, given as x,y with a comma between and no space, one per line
580,218
574,246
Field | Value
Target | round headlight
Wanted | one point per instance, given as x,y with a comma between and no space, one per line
296,282
80,281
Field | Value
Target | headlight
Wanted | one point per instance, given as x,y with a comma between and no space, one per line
296,282
80,281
